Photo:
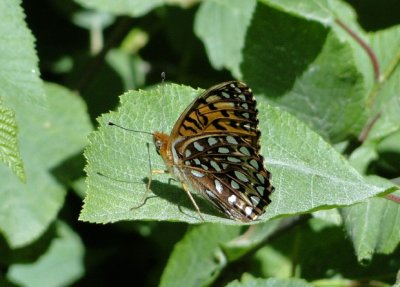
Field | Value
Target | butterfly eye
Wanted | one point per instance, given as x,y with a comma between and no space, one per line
158,145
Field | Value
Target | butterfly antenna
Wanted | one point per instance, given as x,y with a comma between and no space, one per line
163,101
130,130
162,77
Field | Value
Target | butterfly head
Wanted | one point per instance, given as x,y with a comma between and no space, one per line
160,142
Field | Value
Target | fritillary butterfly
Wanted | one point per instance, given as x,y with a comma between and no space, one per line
214,149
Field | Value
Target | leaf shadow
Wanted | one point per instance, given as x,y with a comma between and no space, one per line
70,169
288,47
387,164
178,196
31,252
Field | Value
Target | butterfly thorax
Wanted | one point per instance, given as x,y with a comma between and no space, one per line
169,155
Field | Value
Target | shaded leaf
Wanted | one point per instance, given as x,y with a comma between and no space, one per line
271,263
60,265
222,26
197,259
249,240
308,64
373,225
48,137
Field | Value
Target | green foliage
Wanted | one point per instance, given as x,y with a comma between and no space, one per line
328,100
289,144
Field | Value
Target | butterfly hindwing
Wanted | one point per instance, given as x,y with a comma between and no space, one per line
229,172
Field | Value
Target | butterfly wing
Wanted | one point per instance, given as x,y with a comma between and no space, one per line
226,107
215,147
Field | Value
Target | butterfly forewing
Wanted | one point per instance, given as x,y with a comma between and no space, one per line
214,147
227,107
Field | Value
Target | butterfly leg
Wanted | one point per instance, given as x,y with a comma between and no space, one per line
185,187
143,200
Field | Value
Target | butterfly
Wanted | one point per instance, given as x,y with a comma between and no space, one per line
214,150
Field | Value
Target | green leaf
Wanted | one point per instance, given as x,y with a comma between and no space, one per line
65,124
19,73
196,261
302,63
331,216
222,26
60,265
272,262
134,8
385,44
47,137
307,172
19,80
361,157
373,225
272,282
9,153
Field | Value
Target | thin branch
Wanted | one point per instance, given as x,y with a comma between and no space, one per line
93,66
364,133
365,46
393,198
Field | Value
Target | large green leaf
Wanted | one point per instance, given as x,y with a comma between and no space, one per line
19,80
307,172
48,137
60,265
